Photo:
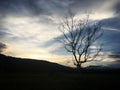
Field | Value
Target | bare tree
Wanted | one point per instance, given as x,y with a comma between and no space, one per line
79,37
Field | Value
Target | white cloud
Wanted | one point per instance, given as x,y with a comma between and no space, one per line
28,33
111,29
27,37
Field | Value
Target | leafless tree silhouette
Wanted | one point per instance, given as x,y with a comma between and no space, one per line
79,37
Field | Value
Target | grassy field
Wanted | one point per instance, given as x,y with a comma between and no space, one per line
58,81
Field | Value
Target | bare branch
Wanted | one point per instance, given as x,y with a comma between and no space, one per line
79,35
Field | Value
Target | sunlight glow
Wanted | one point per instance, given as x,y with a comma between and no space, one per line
99,16
29,34
95,16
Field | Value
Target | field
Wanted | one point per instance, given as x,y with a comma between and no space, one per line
58,81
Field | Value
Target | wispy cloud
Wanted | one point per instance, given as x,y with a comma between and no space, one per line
29,27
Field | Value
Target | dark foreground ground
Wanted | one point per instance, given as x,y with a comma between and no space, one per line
25,75
59,81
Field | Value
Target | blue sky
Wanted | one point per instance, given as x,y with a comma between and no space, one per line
28,27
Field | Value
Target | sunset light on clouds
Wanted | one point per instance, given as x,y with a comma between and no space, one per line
29,27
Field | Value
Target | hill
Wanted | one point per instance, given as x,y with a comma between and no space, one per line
12,64
28,74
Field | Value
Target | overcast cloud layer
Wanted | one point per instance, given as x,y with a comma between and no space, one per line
58,7
28,27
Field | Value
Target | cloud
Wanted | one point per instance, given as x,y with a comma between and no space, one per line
114,64
116,8
113,23
30,26
22,8
2,47
50,7
110,37
115,55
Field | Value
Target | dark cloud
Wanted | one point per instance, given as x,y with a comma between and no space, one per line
113,22
111,41
116,8
49,43
115,64
19,7
2,47
60,51
30,7
4,33
115,55
36,7
49,7
111,36
86,4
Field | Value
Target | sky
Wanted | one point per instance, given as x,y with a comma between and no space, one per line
28,28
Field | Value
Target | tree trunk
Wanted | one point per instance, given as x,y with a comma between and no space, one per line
79,66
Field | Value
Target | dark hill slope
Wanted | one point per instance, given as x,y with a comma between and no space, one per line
52,76
12,64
